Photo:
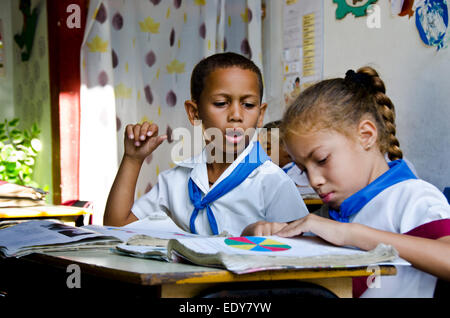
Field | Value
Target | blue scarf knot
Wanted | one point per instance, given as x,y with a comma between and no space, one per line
256,157
398,172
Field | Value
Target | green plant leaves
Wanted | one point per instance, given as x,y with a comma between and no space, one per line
18,150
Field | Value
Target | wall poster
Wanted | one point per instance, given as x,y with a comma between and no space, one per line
302,46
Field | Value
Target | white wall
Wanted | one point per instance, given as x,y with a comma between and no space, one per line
417,80
272,45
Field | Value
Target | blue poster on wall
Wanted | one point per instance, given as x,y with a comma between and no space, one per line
432,22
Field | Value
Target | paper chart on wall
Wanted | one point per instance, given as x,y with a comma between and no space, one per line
303,46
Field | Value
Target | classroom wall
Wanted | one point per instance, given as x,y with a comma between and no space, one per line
25,93
416,77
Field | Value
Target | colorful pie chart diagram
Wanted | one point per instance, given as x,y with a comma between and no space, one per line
257,244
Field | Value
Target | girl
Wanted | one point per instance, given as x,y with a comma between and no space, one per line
337,132
210,194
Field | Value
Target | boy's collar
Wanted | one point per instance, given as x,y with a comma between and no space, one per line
199,173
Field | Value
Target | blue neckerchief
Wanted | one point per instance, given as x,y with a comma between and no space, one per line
289,167
256,157
398,172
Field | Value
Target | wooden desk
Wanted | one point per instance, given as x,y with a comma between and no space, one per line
161,279
61,212
313,201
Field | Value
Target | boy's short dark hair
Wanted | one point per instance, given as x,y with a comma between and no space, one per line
221,60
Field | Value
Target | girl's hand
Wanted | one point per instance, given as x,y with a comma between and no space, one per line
262,228
329,230
141,140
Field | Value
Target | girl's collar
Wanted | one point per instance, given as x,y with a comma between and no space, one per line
398,172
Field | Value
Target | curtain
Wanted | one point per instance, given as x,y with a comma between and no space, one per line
136,61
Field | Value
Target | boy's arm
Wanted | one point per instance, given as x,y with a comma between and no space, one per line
140,142
121,197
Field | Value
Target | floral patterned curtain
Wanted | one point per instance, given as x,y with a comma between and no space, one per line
136,61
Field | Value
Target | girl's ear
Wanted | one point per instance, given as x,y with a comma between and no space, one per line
367,134
191,110
262,112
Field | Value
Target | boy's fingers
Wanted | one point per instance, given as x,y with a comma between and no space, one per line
136,132
160,139
143,133
129,132
153,130
154,142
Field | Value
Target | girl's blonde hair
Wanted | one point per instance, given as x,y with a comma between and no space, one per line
342,103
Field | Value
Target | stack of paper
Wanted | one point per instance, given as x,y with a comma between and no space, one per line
13,195
45,235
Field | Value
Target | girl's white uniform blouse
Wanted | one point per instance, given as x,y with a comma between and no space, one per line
267,194
401,208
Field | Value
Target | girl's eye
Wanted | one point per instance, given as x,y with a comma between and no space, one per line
323,161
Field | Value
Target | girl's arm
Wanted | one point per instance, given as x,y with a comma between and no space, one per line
428,255
140,142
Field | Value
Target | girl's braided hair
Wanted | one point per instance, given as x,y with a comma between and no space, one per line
341,103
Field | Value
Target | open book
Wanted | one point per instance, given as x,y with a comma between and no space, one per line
14,195
47,236
250,254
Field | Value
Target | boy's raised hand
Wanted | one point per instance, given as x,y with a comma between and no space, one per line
141,140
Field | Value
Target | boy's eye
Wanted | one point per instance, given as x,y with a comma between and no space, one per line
249,105
220,104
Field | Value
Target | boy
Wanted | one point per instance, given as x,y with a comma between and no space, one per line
208,195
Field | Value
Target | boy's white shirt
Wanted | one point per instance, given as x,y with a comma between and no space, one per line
399,209
267,194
